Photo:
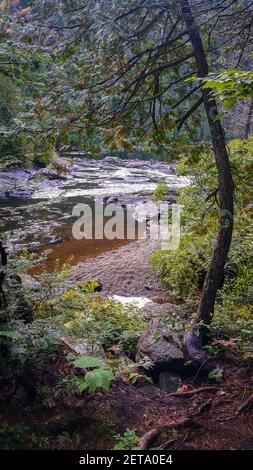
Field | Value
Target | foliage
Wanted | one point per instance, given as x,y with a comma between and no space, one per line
12,436
101,376
85,362
57,310
101,321
126,441
161,192
231,85
216,374
184,269
12,145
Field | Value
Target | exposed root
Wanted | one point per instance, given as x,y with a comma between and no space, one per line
195,391
204,407
194,353
153,434
246,405
168,444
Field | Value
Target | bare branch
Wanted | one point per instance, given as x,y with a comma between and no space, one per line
180,122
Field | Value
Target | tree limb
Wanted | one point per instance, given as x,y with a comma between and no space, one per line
196,105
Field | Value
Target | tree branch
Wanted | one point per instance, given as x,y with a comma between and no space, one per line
180,122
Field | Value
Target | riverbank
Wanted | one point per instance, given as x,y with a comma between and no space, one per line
125,271
37,205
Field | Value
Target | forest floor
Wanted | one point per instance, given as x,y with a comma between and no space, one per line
39,414
61,421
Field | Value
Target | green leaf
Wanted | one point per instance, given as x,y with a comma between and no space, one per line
99,378
216,374
11,334
85,362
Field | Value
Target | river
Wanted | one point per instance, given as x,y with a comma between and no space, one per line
36,211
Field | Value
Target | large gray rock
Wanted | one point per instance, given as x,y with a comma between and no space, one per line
169,382
161,345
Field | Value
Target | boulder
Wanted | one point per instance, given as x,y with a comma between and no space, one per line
169,382
160,344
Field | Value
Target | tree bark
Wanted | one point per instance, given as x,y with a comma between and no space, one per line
249,119
3,263
215,274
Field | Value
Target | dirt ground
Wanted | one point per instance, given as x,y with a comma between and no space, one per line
90,421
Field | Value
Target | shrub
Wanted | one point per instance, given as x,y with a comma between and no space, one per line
185,268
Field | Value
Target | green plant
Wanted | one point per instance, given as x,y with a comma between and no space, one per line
161,192
64,438
216,374
126,441
12,437
100,377
101,321
231,85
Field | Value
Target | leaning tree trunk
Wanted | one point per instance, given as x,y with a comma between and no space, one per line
249,119
215,274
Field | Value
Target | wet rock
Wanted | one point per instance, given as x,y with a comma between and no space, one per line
111,200
29,282
53,240
19,193
161,345
114,161
50,174
137,164
148,287
169,382
17,174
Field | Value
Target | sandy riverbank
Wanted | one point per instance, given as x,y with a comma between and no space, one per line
124,271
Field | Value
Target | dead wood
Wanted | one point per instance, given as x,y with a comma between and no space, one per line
246,405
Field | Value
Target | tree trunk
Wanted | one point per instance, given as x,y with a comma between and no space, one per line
249,119
215,274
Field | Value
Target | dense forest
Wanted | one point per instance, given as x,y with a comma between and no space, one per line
113,337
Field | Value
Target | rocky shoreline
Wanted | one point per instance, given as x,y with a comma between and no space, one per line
36,204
